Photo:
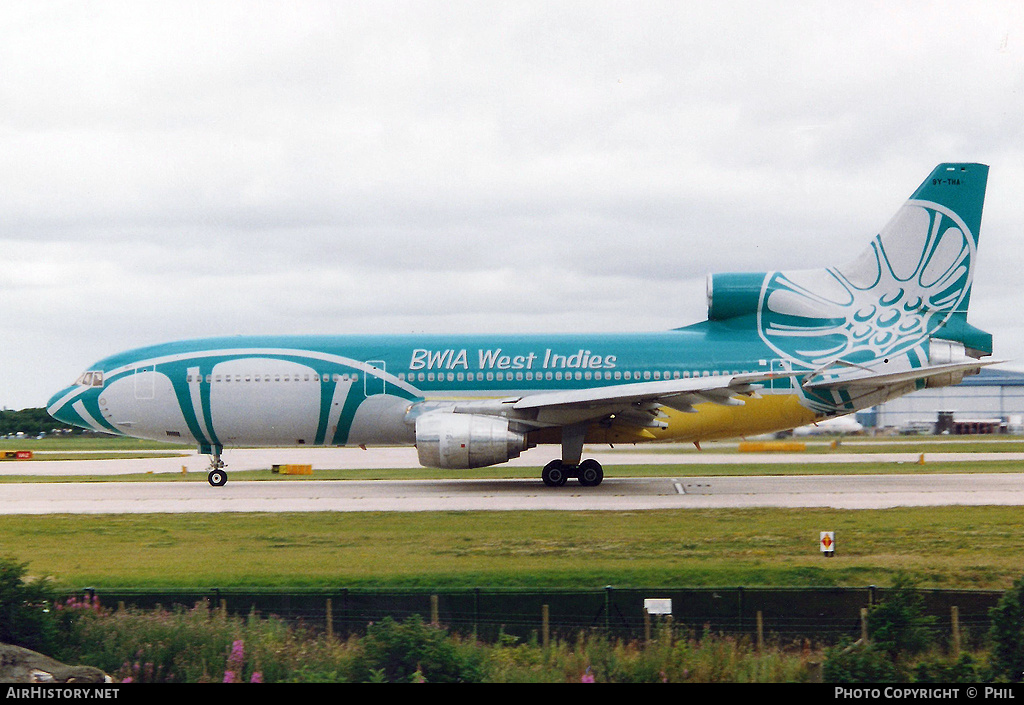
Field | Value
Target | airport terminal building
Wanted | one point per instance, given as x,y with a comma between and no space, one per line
989,402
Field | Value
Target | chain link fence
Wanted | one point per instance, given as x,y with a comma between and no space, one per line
825,614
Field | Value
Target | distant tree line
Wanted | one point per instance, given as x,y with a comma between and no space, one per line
31,422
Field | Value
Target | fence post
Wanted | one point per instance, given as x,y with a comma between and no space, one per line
329,618
760,631
434,619
864,624
607,609
955,617
476,613
740,606
545,625
815,671
647,626
345,616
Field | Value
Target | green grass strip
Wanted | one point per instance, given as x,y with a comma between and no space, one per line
948,547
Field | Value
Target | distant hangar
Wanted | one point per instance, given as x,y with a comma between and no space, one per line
989,402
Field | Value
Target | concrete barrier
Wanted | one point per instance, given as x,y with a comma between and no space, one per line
772,446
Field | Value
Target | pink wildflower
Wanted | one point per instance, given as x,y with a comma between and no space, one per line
237,652
236,659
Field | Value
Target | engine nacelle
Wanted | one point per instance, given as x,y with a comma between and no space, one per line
447,440
941,352
733,294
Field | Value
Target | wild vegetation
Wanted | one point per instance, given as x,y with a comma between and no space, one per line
201,644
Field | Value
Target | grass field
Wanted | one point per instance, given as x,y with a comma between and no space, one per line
93,448
88,443
941,547
951,547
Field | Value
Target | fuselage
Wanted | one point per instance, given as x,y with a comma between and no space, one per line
355,390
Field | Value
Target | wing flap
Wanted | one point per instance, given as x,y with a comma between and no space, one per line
671,392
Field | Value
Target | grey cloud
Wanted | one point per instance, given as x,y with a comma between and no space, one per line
200,167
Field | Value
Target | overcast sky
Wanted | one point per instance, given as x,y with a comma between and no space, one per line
180,169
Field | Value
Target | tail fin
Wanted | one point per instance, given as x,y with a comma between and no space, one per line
913,283
929,246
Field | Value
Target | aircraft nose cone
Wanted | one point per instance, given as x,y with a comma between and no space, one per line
60,410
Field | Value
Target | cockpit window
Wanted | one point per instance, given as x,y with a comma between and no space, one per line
92,378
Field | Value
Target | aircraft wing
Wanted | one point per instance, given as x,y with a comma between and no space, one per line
683,394
679,394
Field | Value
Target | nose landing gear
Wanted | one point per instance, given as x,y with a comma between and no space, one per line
217,475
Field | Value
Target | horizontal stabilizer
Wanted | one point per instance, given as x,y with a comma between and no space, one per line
863,379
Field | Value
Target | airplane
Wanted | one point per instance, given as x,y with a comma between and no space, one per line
839,424
779,350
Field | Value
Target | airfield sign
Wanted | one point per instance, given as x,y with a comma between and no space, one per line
827,543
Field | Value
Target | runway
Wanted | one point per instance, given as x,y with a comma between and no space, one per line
614,494
384,458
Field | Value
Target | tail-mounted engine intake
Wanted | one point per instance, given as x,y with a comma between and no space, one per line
942,352
733,294
446,440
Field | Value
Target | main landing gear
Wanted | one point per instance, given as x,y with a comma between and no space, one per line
557,472
589,472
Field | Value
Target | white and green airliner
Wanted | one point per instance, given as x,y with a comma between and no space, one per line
778,350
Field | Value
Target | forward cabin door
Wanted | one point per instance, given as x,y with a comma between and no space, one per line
145,382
